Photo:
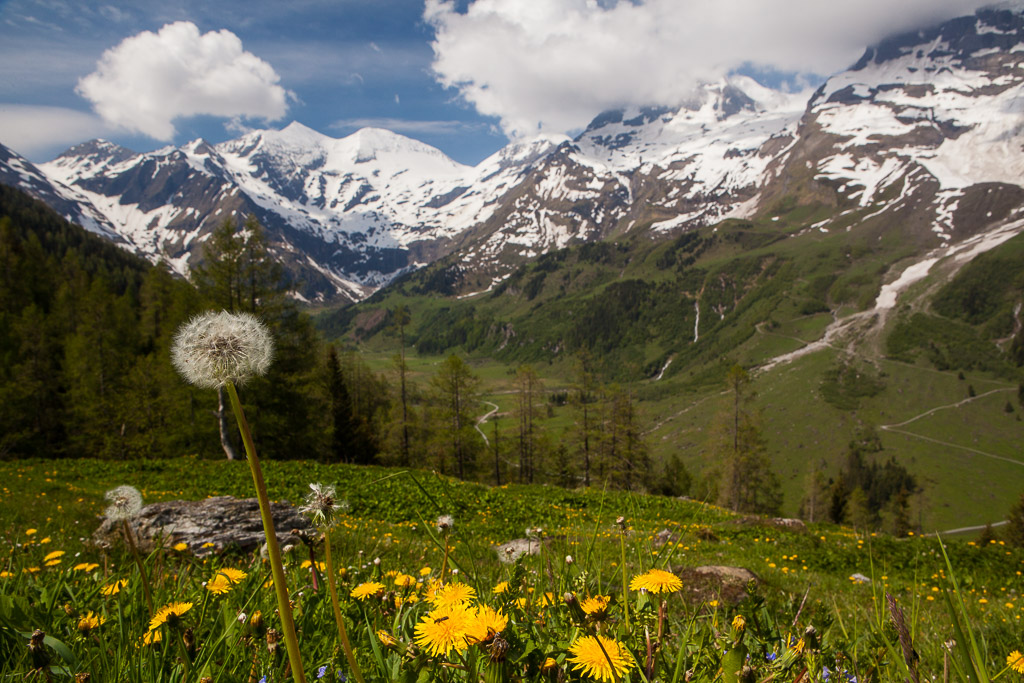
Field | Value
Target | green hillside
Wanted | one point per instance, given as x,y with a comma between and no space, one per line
763,288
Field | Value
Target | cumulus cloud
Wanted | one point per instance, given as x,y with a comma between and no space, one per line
38,133
552,65
150,79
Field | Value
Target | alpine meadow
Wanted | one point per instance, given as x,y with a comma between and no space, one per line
723,381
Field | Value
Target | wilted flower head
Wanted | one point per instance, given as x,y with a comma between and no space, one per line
445,524
321,504
213,349
125,503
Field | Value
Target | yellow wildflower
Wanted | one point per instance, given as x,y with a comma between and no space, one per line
365,590
656,581
600,658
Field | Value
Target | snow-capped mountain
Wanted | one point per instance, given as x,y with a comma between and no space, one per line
928,125
925,130
656,169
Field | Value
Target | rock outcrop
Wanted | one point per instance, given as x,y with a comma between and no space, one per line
223,521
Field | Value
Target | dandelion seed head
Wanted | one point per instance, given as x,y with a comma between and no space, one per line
445,524
321,504
214,348
125,503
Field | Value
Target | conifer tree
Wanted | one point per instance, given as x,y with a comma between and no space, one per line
401,318
528,388
748,482
583,397
455,388
1015,524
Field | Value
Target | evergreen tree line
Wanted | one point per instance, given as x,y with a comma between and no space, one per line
444,424
869,492
85,336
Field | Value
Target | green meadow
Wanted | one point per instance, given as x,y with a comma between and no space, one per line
804,618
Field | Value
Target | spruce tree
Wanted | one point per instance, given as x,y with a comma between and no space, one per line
455,397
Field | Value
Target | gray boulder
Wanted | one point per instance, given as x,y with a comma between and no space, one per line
223,521
716,582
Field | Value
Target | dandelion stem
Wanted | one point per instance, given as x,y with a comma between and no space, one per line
138,563
444,562
625,582
273,550
342,633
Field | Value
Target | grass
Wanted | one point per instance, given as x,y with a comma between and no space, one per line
804,581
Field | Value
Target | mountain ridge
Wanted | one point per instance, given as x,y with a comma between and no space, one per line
930,117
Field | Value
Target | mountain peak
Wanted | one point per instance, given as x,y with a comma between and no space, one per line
99,150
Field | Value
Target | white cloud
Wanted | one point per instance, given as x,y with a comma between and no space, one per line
407,125
554,64
150,79
37,133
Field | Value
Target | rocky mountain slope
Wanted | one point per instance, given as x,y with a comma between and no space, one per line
923,133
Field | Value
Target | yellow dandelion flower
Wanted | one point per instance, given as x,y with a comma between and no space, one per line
45,540
51,556
410,599
89,621
1015,660
601,658
31,532
444,629
6,575
546,600
405,580
219,584
114,588
85,566
548,665
424,571
596,605
453,594
486,623
306,564
366,590
386,638
500,588
739,623
656,581
180,547
152,638
233,575
169,614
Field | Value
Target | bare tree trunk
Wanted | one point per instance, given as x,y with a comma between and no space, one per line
225,427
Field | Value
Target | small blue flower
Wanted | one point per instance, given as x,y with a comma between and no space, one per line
771,656
825,673
322,671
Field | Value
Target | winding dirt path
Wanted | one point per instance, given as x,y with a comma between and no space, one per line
895,427
484,418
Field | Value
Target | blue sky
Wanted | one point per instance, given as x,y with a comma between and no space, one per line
463,75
